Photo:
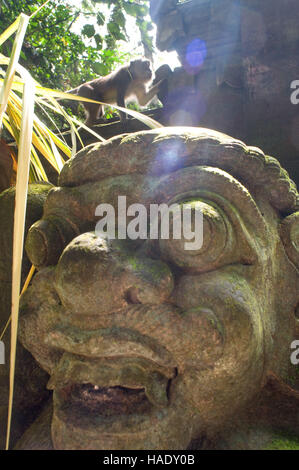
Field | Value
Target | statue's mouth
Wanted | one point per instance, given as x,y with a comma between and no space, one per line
91,391
106,401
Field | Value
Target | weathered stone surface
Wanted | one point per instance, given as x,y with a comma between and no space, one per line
41,428
171,29
30,380
6,166
161,7
150,346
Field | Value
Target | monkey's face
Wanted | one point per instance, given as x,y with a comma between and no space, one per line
141,70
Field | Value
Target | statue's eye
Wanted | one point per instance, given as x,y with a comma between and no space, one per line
202,238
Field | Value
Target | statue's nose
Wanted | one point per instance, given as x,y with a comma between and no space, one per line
97,276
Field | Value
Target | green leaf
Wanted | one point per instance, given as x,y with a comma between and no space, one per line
99,41
131,9
119,18
113,28
99,68
88,30
100,19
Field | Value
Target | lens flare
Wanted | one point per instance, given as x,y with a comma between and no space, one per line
196,53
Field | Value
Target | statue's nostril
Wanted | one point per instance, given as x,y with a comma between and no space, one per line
149,281
131,296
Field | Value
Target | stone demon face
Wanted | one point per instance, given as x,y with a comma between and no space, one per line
150,345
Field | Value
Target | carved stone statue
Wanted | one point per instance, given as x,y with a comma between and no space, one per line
149,345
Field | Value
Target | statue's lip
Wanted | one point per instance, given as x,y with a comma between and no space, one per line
119,377
110,342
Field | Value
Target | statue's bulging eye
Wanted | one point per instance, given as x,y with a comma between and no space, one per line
201,237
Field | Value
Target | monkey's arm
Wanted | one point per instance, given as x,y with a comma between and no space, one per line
145,96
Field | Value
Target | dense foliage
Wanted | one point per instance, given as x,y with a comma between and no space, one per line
60,55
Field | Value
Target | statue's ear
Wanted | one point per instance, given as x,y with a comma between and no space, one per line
289,232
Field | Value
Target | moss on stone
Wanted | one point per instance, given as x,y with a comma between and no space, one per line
284,441
293,377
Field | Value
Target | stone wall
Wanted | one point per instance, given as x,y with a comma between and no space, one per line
238,61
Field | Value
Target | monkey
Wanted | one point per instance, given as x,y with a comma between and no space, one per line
115,88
